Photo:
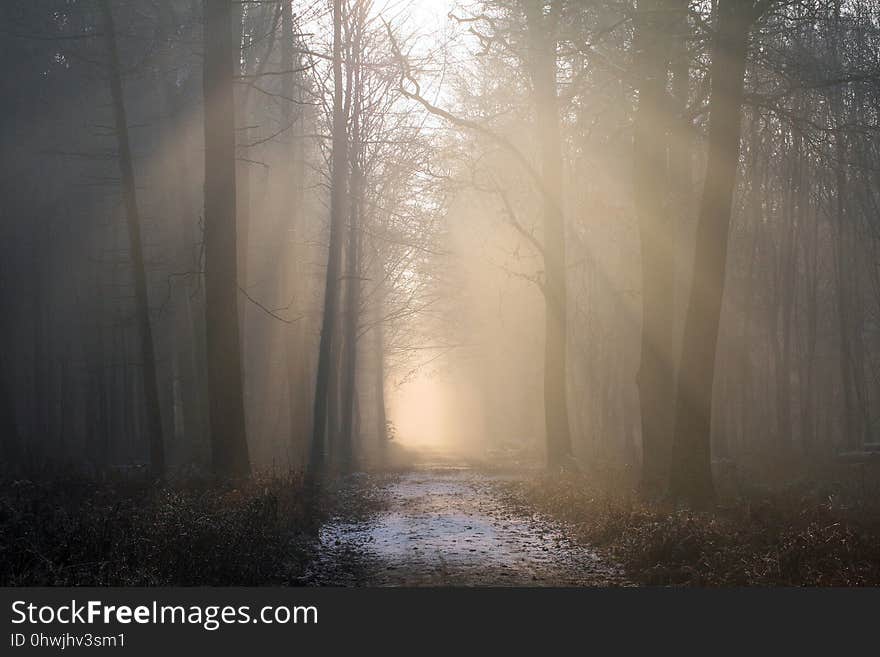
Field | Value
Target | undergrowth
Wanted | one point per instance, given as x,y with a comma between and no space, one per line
783,539
74,531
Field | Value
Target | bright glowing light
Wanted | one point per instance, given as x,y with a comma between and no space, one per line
420,411
431,413
422,16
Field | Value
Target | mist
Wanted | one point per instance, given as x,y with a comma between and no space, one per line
607,251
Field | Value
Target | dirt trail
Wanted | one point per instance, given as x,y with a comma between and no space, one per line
450,526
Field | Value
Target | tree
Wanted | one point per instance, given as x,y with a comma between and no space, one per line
295,344
542,68
355,231
142,304
226,403
653,120
338,189
691,477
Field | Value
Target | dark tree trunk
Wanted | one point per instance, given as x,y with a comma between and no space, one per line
10,447
188,331
226,403
339,166
810,245
243,172
379,383
653,120
142,305
40,425
295,339
348,388
353,258
681,146
542,62
378,330
787,285
691,476
352,312
842,246
751,396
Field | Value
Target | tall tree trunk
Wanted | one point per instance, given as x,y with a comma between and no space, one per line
843,255
339,166
250,19
850,438
542,63
141,299
810,245
787,282
10,447
352,307
295,343
188,329
681,146
242,96
350,354
377,309
379,383
226,403
751,207
652,121
353,258
40,426
691,476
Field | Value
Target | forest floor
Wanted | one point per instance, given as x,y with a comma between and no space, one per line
799,534
440,523
445,524
455,524
68,530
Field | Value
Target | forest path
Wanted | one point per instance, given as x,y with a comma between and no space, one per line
451,526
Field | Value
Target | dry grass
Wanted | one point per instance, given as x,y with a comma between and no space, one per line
74,531
785,539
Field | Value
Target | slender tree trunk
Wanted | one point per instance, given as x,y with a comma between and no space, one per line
786,284
341,421
10,447
843,251
353,258
745,386
334,398
339,165
808,376
691,480
850,438
350,353
656,369
864,378
295,340
242,172
188,331
379,383
253,336
226,402
542,60
681,146
40,427
142,304
352,304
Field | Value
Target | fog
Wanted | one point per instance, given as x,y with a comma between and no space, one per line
459,252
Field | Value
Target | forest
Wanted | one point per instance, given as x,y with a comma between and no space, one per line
440,292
